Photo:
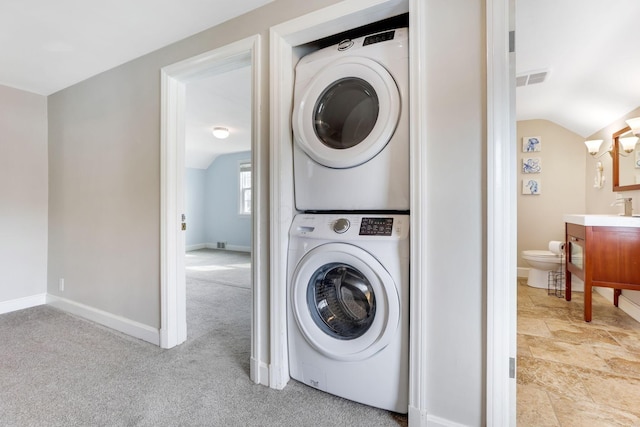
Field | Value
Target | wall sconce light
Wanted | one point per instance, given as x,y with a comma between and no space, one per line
634,124
220,132
593,146
628,144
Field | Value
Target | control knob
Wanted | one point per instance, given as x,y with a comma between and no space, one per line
341,225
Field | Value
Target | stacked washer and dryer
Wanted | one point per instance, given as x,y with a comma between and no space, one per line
348,260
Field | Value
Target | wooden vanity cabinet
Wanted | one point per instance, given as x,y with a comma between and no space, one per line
602,256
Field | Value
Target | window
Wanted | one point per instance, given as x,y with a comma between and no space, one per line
245,188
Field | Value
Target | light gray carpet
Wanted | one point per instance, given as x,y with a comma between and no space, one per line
59,370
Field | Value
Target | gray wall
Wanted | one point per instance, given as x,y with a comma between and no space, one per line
455,202
105,183
104,159
23,194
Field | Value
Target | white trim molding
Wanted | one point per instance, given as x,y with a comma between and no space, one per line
418,320
629,307
22,303
110,320
501,217
173,79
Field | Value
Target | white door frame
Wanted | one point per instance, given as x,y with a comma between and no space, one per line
173,330
500,322
501,215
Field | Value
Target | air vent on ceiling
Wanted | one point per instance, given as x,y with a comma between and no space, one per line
531,77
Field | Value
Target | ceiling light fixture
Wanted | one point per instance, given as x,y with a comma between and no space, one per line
220,132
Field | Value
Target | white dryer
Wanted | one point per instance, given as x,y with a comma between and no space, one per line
351,125
347,306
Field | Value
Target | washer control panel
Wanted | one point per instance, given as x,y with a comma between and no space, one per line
378,226
338,227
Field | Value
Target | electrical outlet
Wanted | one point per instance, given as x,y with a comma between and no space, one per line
61,285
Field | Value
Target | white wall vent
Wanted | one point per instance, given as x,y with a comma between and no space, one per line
531,77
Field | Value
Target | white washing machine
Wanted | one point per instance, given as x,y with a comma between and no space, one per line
351,125
347,306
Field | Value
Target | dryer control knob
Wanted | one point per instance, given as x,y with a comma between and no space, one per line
341,225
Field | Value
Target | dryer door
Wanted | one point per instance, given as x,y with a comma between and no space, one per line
344,302
347,114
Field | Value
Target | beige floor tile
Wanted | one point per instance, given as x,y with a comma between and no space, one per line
533,326
551,377
621,362
523,346
588,371
630,340
580,333
614,391
534,407
584,413
580,355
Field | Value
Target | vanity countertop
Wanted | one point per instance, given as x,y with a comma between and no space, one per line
603,220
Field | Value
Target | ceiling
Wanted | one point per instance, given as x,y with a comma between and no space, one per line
220,100
588,47
49,45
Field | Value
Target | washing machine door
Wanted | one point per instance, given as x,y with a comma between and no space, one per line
344,302
347,114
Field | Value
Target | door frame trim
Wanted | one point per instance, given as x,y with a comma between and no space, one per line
172,295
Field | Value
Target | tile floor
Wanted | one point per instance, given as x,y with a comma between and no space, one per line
573,373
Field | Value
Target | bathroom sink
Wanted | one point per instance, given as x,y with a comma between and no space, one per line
603,220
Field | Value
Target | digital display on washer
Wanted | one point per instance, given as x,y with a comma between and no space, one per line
376,226
377,38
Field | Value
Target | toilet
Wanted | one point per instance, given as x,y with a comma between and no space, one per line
541,262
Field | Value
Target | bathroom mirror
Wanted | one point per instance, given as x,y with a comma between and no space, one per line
626,166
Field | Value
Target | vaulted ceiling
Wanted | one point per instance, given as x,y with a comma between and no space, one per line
49,45
590,50
587,47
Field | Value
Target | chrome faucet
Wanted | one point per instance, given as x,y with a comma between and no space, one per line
628,208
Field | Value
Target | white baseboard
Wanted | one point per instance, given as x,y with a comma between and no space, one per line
523,272
624,303
629,307
418,418
236,248
259,372
119,323
433,421
195,247
22,303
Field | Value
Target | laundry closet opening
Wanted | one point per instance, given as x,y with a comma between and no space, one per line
347,292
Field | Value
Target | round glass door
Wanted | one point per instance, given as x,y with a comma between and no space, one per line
347,113
344,301
341,301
